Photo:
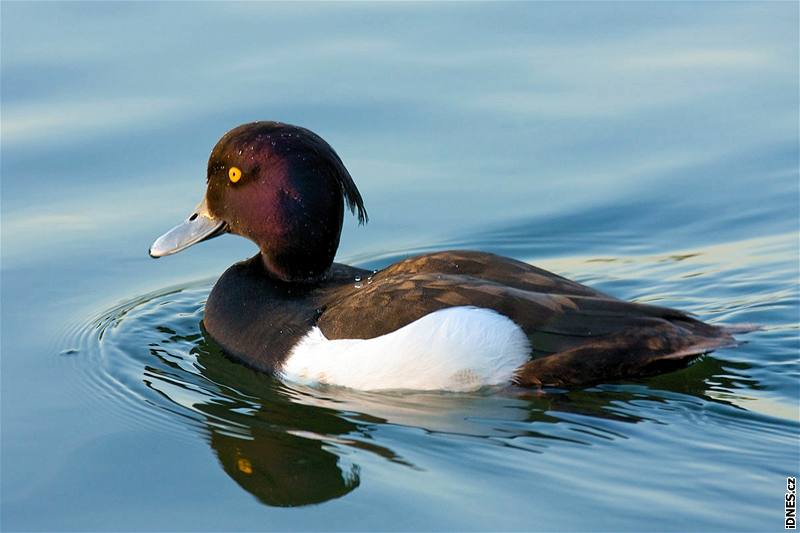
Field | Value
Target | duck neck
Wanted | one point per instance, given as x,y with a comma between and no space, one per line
293,269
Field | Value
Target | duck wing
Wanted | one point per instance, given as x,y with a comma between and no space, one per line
577,335
490,267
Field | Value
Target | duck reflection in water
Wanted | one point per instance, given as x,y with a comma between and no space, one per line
287,447
280,450
280,468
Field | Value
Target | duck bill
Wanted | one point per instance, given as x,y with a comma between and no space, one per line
200,226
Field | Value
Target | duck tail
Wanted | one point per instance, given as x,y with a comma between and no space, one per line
624,355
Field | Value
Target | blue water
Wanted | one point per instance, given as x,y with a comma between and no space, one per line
649,150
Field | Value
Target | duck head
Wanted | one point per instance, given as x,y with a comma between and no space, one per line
281,186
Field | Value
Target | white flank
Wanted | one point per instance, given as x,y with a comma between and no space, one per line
455,349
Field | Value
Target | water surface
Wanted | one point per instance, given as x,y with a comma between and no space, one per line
649,150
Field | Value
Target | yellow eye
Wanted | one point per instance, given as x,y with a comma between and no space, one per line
244,465
234,174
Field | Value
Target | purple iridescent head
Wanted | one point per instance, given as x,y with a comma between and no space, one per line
281,186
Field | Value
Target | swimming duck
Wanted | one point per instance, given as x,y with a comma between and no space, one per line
450,320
